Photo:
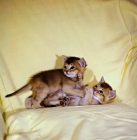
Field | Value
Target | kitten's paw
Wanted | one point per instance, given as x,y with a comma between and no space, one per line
89,89
63,103
79,76
67,99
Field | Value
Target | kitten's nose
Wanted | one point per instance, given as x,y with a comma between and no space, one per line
67,72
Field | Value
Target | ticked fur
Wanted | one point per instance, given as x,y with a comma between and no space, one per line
102,93
46,82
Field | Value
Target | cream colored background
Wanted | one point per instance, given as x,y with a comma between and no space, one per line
35,33
33,36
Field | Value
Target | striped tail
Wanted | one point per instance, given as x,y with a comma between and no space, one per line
24,88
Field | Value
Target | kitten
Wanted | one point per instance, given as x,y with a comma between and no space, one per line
50,81
102,93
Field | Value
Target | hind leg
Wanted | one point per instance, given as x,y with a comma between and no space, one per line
40,92
28,102
36,101
54,98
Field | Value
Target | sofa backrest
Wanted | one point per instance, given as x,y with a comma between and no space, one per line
35,34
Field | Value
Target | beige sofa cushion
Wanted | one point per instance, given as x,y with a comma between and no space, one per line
74,123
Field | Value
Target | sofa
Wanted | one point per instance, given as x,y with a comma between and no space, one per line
34,34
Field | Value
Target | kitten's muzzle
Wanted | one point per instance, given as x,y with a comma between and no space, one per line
94,93
67,72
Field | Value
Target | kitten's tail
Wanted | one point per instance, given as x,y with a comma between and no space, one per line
24,88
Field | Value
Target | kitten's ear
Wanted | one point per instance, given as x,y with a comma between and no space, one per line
82,62
102,79
64,57
112,94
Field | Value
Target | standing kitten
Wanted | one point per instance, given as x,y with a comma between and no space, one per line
101,93
47,82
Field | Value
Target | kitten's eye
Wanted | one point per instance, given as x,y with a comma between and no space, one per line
96,86
100,91
65,67
72,67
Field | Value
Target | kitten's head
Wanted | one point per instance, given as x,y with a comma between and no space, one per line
74,66
103,92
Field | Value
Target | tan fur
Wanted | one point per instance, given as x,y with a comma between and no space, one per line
92,96
54,98
103,92
81,101
47,82
28,102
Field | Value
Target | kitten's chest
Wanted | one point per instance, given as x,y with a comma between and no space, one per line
68,81
94,102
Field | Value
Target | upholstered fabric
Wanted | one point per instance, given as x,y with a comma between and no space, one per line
34,34
74,123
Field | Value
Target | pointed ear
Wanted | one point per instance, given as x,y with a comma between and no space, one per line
64,57
102,79
112,94
82,62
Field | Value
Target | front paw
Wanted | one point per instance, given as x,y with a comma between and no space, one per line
89,89
79,77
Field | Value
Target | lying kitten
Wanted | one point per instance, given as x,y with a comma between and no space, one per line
101,93
47,82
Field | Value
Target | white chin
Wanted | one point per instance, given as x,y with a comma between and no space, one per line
71,76
95,97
